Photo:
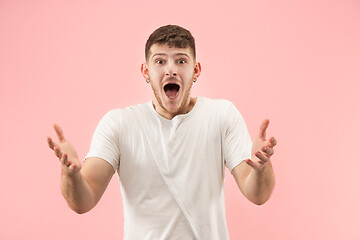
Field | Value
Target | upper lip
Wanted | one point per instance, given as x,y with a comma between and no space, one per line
171,80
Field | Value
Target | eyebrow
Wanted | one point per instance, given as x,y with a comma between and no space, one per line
177,54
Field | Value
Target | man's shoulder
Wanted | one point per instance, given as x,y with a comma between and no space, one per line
127,112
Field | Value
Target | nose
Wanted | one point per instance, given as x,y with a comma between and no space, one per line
171,70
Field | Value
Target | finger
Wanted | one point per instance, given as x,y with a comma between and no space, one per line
58,152
62,159
251,163
261,157
50,142
269,151
65,160
263,127
71,166
272,142
59,132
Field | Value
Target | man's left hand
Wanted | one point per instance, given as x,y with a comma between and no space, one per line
262,149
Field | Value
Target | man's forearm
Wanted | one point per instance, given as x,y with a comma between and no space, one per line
77,192
260,184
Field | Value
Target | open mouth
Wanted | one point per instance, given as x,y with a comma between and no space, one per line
171,90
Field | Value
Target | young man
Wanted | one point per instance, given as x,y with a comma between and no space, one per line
170,153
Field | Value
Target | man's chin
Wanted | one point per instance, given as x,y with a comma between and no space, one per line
173,104
170,106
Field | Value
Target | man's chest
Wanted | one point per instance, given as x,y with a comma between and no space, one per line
150,152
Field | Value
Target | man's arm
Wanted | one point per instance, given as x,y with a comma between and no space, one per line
255,177
81,185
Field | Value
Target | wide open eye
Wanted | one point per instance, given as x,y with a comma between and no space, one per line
181,61
160,61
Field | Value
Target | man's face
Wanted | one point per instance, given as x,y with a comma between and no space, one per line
171,72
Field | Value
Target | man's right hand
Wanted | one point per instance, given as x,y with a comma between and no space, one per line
82,190
66,153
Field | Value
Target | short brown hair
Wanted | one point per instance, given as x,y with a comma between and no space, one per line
173,36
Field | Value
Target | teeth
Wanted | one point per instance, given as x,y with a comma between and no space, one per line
175,95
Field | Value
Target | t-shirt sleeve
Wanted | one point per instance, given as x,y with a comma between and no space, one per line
237,139
105,141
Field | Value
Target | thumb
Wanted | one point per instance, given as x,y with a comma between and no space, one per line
263,127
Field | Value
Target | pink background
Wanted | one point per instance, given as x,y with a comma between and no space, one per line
294,62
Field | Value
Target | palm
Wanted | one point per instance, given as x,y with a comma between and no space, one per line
257,145
68,148
65,151
262,149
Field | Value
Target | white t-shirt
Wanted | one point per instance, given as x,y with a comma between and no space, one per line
172,172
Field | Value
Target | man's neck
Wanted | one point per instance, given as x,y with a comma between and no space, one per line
170,115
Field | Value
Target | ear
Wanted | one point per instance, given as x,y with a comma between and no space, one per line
197,70
144,70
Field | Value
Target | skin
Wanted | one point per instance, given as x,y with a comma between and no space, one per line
171,65
82,185
255,177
